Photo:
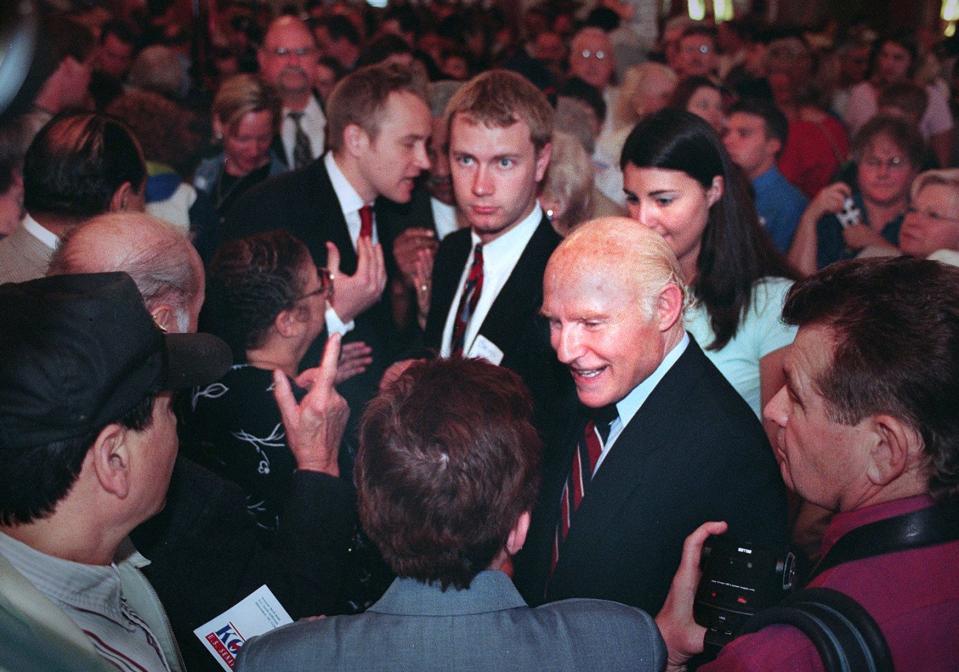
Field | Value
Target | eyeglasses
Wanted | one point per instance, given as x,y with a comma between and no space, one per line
697,48
931,215
302,52
598,55
892,163
325,289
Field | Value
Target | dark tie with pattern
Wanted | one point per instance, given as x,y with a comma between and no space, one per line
302,152
590,447
366,222
468,301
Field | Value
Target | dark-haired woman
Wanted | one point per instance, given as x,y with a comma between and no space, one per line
680,182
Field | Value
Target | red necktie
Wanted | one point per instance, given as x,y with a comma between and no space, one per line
366,222
468,301
585,458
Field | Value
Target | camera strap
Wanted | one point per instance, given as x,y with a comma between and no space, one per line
846,637
927,527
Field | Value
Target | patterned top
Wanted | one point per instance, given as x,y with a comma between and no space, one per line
234,428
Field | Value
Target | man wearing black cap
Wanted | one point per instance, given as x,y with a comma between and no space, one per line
87,443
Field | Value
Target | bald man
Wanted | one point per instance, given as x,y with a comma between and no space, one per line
664,441
287,62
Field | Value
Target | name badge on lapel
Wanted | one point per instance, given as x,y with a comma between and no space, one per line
486,349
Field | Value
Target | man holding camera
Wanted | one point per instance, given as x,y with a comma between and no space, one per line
868,428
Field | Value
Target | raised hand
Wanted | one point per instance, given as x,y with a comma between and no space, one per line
355,293
314,427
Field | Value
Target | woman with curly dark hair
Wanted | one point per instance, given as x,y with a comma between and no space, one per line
266,299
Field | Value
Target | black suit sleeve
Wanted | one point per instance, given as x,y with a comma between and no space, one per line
206,553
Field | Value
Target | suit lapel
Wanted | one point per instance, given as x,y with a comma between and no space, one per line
522,294
630,462
330,218
454,251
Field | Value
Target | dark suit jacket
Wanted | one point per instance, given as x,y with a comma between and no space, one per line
419,628
513,323
206,554
693,452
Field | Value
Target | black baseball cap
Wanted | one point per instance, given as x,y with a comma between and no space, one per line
78,352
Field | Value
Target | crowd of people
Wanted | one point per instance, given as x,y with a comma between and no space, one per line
504,314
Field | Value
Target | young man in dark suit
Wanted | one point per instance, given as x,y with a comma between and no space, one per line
487,279
664,442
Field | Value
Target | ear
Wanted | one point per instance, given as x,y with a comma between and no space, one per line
517,535
542,160
217,128
120,198
355,140
897,450
111,460
164,316
669,307
261,58
286,323
715,191
774,145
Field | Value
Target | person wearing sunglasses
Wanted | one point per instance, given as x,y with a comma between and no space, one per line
266,298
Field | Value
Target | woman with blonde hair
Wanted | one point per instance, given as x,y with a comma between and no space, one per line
246,114
646,88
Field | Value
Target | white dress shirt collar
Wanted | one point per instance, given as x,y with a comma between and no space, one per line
628,406
40,232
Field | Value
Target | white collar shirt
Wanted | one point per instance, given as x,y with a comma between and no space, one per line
40,232
628,406
500,257
350,200
313,123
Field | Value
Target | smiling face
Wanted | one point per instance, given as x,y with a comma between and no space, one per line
246,144
933,221
674,205
821,459
391,161
495,174
600,327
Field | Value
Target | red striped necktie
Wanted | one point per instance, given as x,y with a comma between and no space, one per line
468,301
585,457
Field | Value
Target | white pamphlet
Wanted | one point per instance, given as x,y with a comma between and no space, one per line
257,613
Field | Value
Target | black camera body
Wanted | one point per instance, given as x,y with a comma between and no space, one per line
738,580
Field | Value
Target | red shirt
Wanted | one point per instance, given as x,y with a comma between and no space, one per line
913,595
813,154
